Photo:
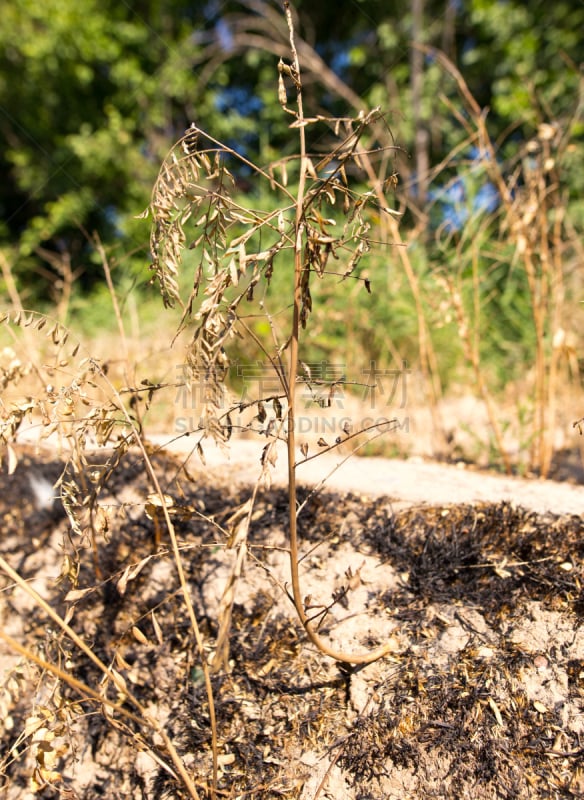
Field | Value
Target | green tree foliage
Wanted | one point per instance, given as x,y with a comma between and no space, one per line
534,51
91,96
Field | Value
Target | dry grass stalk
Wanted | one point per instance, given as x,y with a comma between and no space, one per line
535,228
76,402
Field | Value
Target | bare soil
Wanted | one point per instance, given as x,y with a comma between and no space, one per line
477,586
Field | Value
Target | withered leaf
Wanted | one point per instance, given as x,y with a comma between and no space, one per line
138,635
130,573
201,454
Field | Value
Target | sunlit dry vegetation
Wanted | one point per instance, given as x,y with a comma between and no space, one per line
226,637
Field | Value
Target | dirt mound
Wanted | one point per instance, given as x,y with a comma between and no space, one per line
482,694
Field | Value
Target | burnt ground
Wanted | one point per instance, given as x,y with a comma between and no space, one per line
481,696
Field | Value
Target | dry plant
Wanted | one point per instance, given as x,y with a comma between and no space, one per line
320,231
236,248
265,29
536,239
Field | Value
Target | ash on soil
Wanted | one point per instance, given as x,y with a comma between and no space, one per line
481,696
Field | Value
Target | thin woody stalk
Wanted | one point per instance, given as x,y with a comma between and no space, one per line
299,228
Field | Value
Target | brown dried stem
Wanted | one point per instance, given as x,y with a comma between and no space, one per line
299,227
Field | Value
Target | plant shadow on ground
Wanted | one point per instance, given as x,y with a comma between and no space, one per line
483,693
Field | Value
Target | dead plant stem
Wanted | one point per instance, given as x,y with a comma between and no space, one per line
185,590
113,296
428,360
350,658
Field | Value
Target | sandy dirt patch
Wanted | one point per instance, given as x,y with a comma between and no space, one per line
469,577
